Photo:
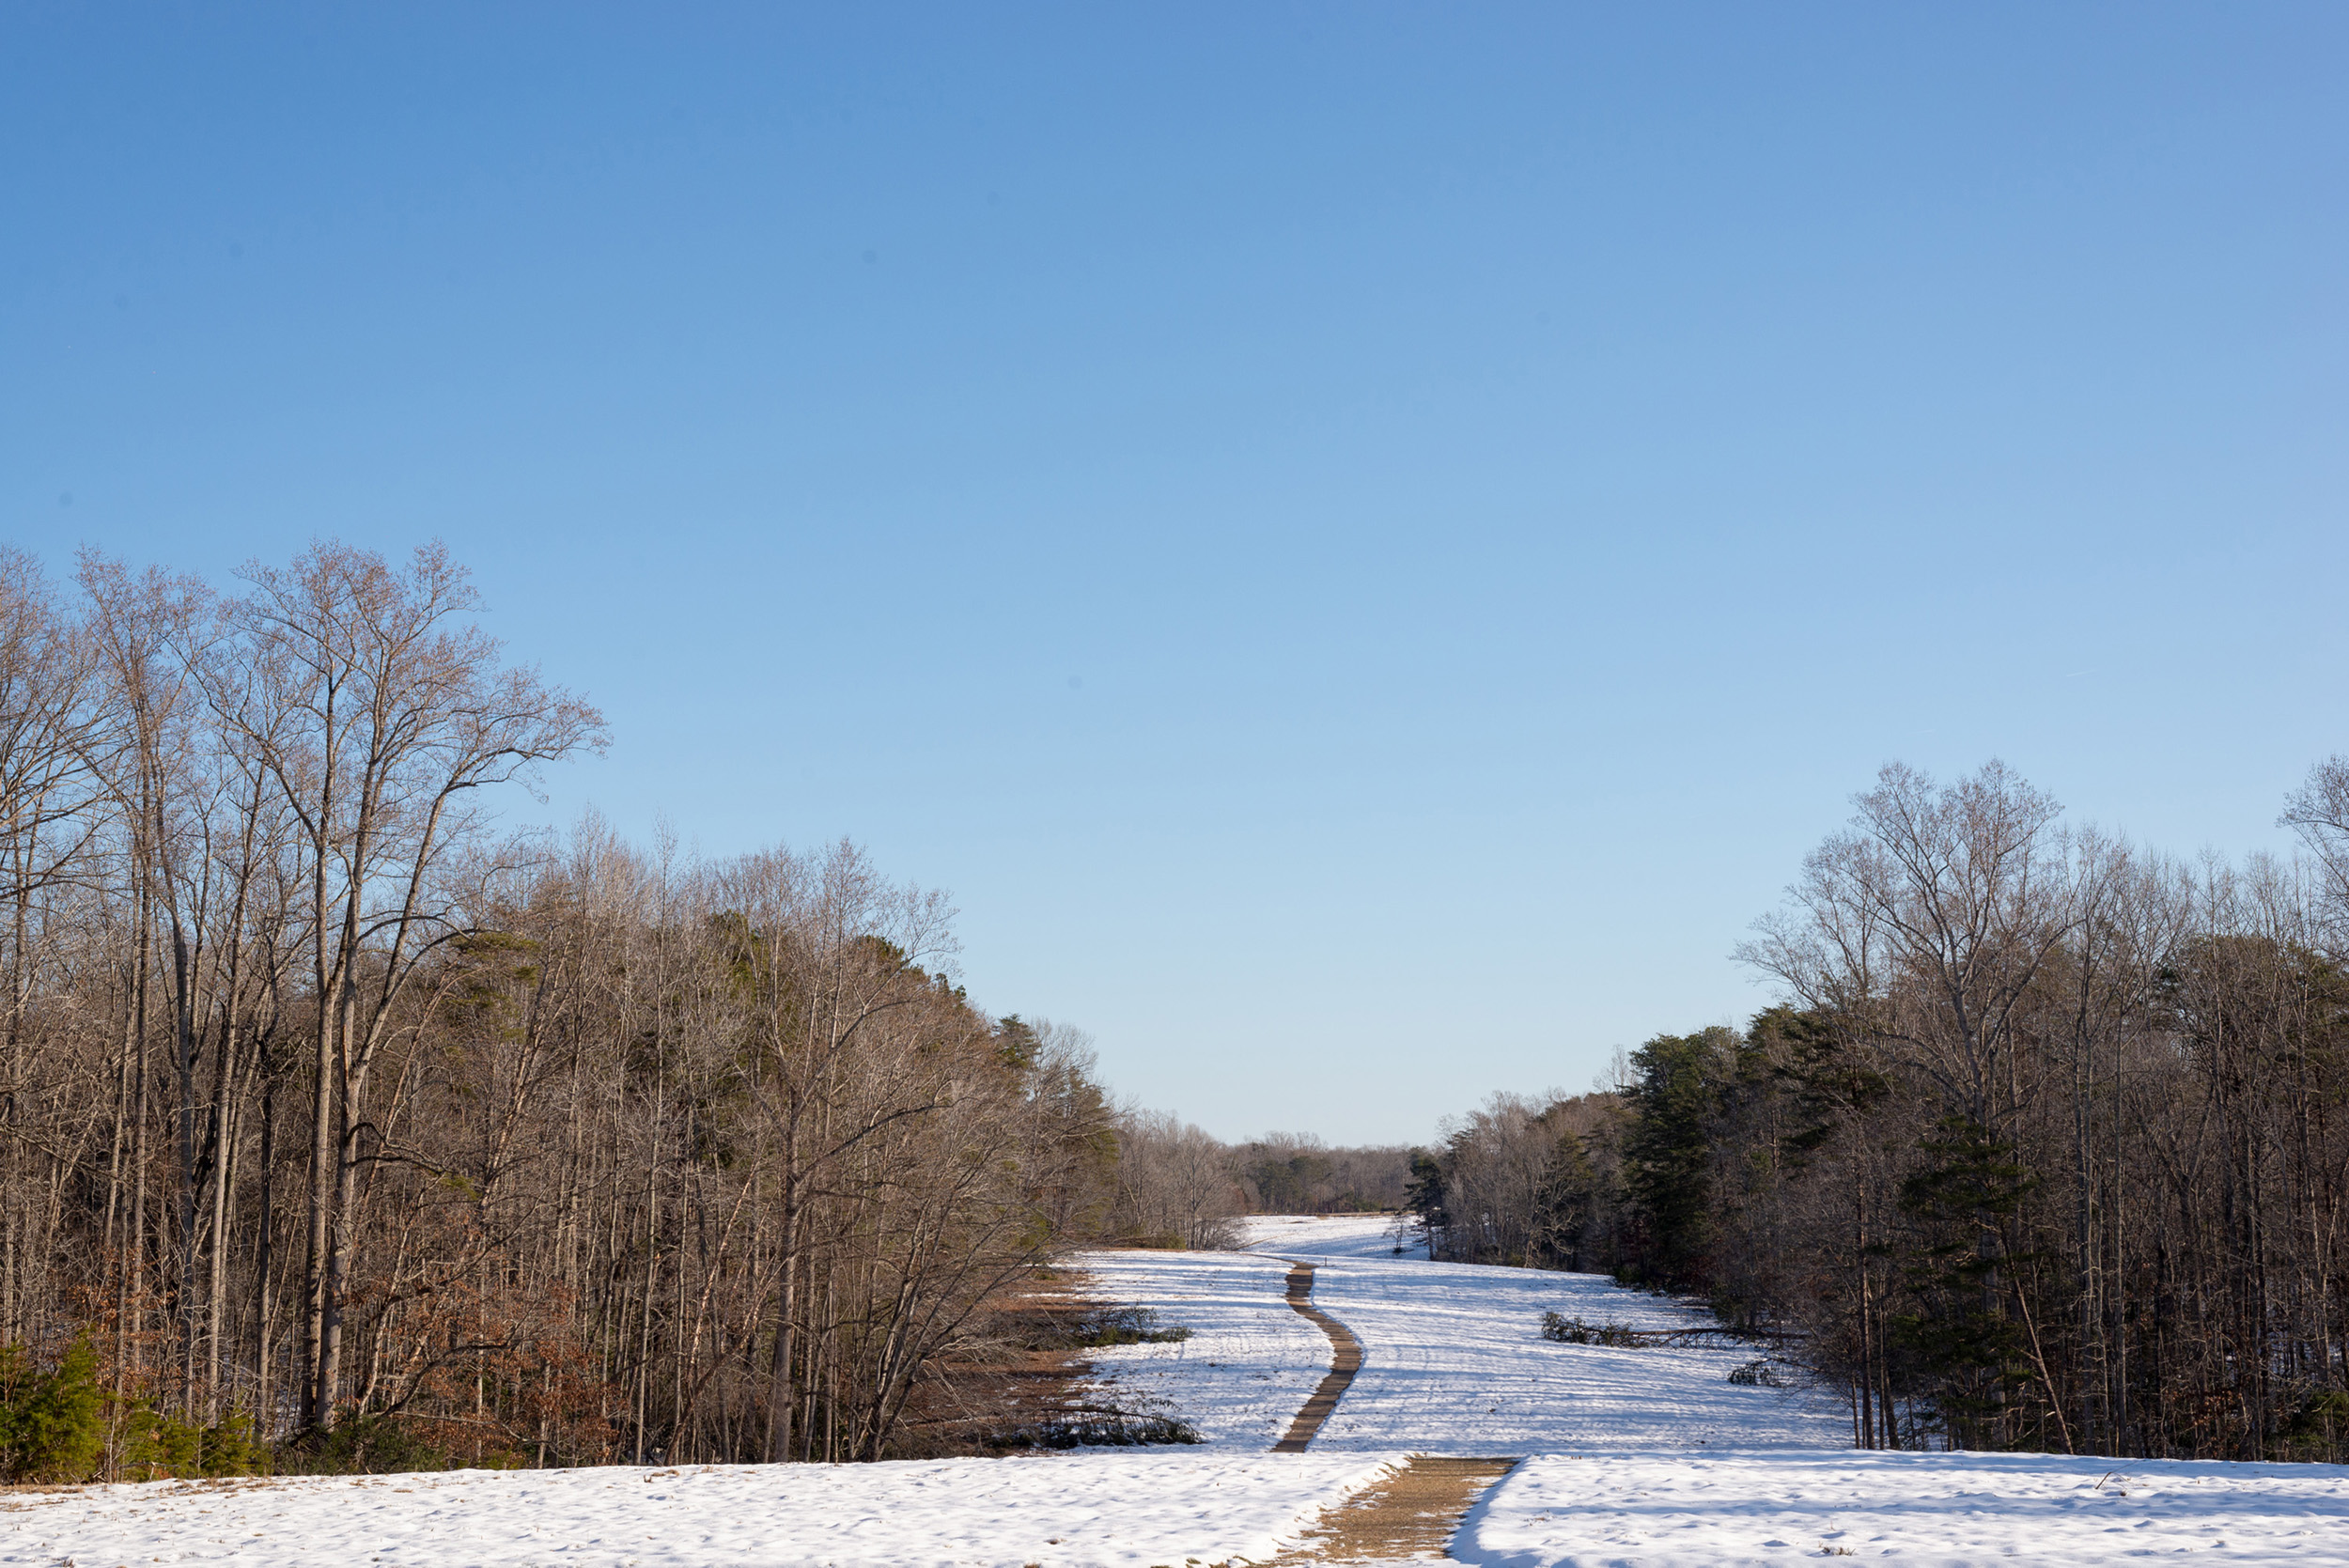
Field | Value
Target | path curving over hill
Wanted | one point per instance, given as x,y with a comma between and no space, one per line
1345,1360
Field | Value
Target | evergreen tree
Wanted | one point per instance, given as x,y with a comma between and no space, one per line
52,1424
1666,1154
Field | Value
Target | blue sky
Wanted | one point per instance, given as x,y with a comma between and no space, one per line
1361,542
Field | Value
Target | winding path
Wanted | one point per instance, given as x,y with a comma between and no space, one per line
1414,1513
1345,1360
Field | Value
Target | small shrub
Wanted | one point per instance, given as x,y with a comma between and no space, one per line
1573,1330
1098,1429
2320,1426
1106,1326
1128,1326
54,1428
154,1446
52,1424
361,1445
1760,1374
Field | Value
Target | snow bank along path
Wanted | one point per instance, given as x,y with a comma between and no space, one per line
1120,1510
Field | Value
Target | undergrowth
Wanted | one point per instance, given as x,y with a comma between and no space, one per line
61,1425
1761,1372
1098,1327
1096,1429
1573,1330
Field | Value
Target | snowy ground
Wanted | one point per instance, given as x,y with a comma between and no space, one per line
1683,1511
1249,1362
1328,1235
1645,1456
1454,1360
1125,1509
1651,1456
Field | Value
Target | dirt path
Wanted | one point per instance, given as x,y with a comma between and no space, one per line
1410,1516
1345,1361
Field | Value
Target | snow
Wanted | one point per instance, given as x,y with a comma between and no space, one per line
1646,1456
1328,1235
1649,1456
1078,1511
1249,1362
1675,1511
1455,1363
1454,1360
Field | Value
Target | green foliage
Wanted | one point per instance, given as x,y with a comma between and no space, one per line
1016,1042
55,1427
492,969
1821,1083
52,1424
1425,1196
151,1447
2319,1425
1285,1184
1667,1150
362,1445
1964,1201
1079,1202
1164,1241
234,1448
1128,1326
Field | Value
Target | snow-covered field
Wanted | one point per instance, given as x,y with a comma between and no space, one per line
1067,1511
1650,1457
1250,1362
1453,1358
1682,1511
1646,1456
1327,1236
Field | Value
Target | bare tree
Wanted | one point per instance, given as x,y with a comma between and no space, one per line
328,1112
378,710
1174,1183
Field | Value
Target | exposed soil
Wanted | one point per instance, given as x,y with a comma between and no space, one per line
1410,1516
1345,1362
1024,1375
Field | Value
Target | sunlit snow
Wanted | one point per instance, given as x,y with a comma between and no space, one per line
1453,1358
1683,1511
1633,1455
1124,1508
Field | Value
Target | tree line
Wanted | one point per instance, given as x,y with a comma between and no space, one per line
341,1126
2047,1145
1180,1187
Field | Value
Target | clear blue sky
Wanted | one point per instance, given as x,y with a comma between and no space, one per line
1361,542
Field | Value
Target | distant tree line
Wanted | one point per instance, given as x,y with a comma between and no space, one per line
341,1128
1179,1187
1291,1173
2047,1146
